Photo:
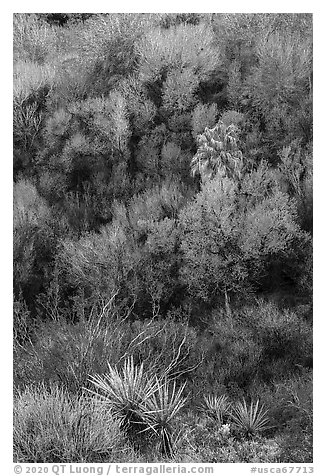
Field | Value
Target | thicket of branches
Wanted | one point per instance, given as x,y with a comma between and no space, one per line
163,168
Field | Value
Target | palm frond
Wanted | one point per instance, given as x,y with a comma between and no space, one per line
218,153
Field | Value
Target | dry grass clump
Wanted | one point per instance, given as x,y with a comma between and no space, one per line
52,426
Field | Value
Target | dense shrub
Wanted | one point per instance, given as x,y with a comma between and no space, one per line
283,72
68,352
33,38
50,426
284,336
204,115
228,248
136,255
32,84
185,47
217,444
35,239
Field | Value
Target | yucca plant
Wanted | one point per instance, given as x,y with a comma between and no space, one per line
159,411
217,408
250,420
125,392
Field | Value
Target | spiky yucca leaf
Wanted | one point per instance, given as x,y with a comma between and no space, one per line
160,409
217,407
125,391
250,420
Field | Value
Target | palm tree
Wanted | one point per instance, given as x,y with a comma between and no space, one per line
218,153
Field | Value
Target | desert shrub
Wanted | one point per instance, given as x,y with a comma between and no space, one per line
147,156
290,403
64,352
32,83
232,117
288,399
107,48
164,155
284,336
233,357
151,220
283,72
28,205
165,346
241,348
22,322
150,207
227,248
50,426
102,119
34,39
204,267
296,177
204,115
73,66
105,120
305,281
297,442
204,442
159,263
161,49
173,77
253,47
35,240
85,165
256,451
100,264
30,79
258,184
179,91
174,161
141,109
